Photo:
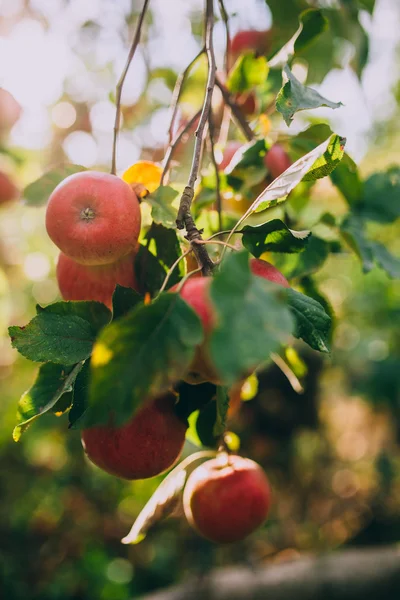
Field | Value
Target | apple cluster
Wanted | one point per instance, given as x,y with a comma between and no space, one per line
94,219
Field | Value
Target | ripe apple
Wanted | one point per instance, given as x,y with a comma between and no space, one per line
195,291
247,40
8,190
98,282
226,500
247,103
147,445
277,160
93,218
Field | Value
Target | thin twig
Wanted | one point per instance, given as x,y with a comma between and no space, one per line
226,232
237,112
287,371
173,146
177,93
120,84
172,268
184,218
225,18
216,168
218,243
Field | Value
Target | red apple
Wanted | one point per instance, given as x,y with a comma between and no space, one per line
264,269
94,218
195,291
248,103
8,190
225,501
147,445
83,282
277,161
247,40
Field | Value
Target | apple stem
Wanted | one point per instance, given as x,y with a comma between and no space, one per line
120,84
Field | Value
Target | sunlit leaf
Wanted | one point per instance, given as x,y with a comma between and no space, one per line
61,333
252,319
141,355
273,236
145,173
312,24
52,382
248,72
37,193
162,210
294,97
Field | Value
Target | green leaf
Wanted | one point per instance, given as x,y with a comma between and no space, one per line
161,202
140,356
123,300
80,397
294,97
252,319
312,24
205,423
380,201
52,382
149,272
306,263
278,190
386,260
352,231
273,236
222,405
248,72
327,163
38,192
62,333
249,168
312,323
346,178
154,260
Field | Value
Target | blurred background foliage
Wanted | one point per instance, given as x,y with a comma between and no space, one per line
332,453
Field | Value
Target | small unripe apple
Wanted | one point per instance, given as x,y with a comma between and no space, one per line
196,292
83,282
277,161
8,190
147,445
93,218
226,500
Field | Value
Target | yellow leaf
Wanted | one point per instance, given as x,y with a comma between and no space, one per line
144,176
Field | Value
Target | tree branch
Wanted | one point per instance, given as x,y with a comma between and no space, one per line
173,145
120,84
184,218
360,574
236,112
177,93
